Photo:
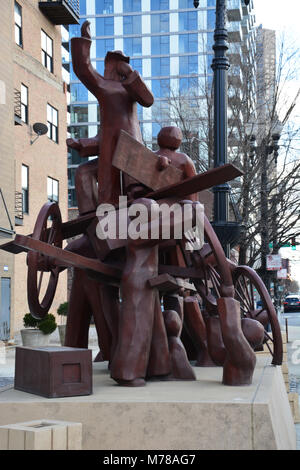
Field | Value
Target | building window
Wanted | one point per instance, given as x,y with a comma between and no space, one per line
104,7
211,19
160,23
52,121
189,85
137,65
159,5
161,67
161,88
79,132
105,26
188,21
132,24
52,189
188,43
78,92
79,113
160,45
184,4
103,46
24,103
188,64
25,189
47,51
82,7
18,25
133,46
131,5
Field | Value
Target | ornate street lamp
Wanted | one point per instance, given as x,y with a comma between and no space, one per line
228,232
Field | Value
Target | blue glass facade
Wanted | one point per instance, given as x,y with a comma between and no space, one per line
169,43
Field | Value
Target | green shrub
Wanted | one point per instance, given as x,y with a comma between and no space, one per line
46,325
63,309
29,321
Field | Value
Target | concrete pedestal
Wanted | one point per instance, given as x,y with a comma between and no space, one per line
170,415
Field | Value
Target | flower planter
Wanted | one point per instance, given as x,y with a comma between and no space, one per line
33,337
62,334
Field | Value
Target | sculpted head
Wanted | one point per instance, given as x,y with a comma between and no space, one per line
111,64
169,137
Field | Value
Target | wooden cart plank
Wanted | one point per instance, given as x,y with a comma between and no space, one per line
67,258
140,163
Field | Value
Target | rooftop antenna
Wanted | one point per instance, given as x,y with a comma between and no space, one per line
40,129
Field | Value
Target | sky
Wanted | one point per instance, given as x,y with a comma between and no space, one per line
281,15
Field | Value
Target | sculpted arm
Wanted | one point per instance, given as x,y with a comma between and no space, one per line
135,85
80,49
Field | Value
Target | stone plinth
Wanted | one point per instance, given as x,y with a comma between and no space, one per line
53,371
203,414
41,435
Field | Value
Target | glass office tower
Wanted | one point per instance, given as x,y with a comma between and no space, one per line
169,43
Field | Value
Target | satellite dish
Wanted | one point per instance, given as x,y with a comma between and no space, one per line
40,129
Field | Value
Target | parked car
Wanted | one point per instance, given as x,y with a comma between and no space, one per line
291,303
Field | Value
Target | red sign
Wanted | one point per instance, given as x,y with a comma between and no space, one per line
273,262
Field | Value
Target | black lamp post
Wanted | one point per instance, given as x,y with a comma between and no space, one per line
227,232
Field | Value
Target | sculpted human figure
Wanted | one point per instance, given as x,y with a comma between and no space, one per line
117,92
141,328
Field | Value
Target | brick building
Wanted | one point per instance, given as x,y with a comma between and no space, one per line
33,170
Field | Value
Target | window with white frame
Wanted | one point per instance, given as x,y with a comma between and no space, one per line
52,189
24,103
47,51
52,121
18,25
25,189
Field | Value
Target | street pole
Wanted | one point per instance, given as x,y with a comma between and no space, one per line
227,232
264,226
220,66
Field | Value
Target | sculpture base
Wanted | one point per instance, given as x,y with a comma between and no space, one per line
53,372
202,414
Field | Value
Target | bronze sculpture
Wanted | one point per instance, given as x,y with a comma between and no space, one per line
203,316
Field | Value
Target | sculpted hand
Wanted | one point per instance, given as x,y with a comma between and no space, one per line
163,162
74,144
85,30
123,68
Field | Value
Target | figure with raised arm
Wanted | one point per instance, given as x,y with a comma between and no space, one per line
118,92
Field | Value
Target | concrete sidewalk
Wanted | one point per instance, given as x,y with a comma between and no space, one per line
293,353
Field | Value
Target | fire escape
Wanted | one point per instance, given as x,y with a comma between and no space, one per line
61,11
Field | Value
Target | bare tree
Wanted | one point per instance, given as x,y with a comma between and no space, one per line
267,196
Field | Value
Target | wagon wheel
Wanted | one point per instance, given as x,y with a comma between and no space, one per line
217,280
42,274
245,281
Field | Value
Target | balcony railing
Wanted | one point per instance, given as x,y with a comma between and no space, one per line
235,33
17,107
61,11
234,10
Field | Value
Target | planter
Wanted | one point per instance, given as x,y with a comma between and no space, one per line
62,334
32,337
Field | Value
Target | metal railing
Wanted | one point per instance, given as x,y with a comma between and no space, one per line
74,4
18,205
17,103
